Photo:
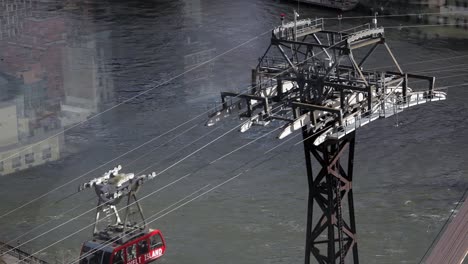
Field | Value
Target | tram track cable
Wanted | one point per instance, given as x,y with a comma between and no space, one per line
82,214
186,122
161,213
249,88
397,15
109,243
146,196
45,223
64,213
272,77
160,145
92,170
158,174
139,94
425,61
231,152
191,154
424,25
218,138
213,162
169,80
185,203
72,234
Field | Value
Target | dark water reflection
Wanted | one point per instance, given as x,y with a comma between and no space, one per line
65,62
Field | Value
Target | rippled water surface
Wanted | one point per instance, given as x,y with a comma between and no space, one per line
83,84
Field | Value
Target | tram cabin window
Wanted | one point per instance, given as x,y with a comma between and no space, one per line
143,247
89,256
156,241
131,252
118,257
106,257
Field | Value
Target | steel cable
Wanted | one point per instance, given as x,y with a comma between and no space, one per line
217,186
158,174
64,213
228,132
142,93
147,167
194,118
146,196
192,152
139,94
90,171
397,15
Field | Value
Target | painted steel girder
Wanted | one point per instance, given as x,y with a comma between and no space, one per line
328,189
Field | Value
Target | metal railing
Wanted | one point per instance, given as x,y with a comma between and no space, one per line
274,62
286,31
366,26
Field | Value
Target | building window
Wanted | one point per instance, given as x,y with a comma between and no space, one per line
29,158
16,162
46,153
1,166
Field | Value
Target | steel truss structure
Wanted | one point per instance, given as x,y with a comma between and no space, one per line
312,79
110,189
328,189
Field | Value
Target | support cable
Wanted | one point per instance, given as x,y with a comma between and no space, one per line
171,205
399,15
37,198
424,61
186,122
45,223
168,156
160,145
210,143
76,217
114,240
92,170
248,169
141,93
158,174
146,143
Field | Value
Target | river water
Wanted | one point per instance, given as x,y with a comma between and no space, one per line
65,62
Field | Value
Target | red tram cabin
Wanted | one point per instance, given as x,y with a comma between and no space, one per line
141,250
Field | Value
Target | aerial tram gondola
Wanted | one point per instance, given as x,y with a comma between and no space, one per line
120,242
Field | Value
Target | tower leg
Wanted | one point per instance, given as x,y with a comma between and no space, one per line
330,238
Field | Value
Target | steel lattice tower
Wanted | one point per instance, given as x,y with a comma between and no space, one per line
311,80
